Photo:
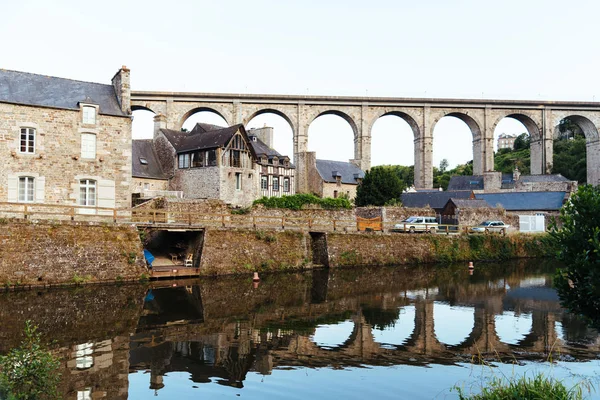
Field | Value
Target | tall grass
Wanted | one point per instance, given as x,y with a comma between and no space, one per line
539,387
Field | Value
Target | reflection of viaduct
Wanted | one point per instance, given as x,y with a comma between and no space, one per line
226,348
481,116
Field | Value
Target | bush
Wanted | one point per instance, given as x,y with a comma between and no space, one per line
29,371
578,244
537,388
297,201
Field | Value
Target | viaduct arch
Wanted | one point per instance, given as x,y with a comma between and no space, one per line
482,116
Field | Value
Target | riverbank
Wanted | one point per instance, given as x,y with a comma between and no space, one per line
44,253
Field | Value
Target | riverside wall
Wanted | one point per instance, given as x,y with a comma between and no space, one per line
53,252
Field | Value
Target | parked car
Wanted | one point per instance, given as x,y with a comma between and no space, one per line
417,224
490,226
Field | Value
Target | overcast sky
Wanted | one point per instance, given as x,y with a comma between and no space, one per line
525,49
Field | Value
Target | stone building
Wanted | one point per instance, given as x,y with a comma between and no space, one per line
328,178
506,141
277,173
65,142
148,178
494,181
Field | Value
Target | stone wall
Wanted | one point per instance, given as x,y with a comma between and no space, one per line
197,183
42,253
244,251
395,215
139,185
342,189
56,163
475,216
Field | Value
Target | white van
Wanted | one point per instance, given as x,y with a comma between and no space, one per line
417,224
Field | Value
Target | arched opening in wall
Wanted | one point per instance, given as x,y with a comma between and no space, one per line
392,140
333,336
452,324
453,148
573,136
331,136
142,125
282,135
512,141
203,116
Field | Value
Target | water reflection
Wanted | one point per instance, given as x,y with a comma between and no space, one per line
221,330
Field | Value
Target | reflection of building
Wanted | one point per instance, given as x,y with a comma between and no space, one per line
64,141
506,141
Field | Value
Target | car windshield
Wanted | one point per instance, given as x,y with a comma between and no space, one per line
485,223
411,219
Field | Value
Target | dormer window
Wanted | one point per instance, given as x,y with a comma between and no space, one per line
89,115
143,161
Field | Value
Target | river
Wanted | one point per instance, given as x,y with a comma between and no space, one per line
398,333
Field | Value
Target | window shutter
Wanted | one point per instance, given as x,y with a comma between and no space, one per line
13,188
40,184
106,193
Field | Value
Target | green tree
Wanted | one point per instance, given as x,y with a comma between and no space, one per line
443,165
379,186
29,371
570,158
522,142
578,245
568,129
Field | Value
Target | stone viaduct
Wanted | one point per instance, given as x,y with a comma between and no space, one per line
541,119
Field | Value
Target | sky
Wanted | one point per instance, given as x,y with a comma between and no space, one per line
534,49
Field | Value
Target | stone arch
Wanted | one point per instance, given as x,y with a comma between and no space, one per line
467,119
341,114
275,111
195,110
533,128
587,126
135,107
410,120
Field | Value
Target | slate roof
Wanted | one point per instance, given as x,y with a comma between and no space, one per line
469,203
543,178
144,149
200,139
261,148
525,201
346,170
49,91
433,199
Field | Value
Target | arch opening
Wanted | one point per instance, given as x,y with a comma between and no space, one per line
512,138
142,125
202,115
331,136
392,140
452,324
453,137
390,337
574,137
283,133
333,336
512,327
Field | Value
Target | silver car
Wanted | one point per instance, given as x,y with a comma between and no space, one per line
490,226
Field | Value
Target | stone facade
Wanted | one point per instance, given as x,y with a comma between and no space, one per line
65,150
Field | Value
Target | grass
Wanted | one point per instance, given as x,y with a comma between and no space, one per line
539,387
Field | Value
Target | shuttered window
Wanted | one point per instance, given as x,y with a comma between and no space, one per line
88,145
87,192
26,189
89,115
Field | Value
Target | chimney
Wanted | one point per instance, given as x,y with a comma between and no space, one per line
492,181
123,89
516,174
160,122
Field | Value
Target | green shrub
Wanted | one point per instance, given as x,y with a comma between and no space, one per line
537,388
29,371
297,201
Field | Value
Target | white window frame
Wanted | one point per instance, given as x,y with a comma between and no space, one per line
275,180
238,181
90,192
88,145
26,189
264,182
89,115
84,357
183,161
25,134
286,184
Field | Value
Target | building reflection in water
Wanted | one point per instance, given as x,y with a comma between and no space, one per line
219,330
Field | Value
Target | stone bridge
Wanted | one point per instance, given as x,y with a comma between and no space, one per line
541,119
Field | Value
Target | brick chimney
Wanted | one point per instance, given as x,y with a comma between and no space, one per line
123,89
